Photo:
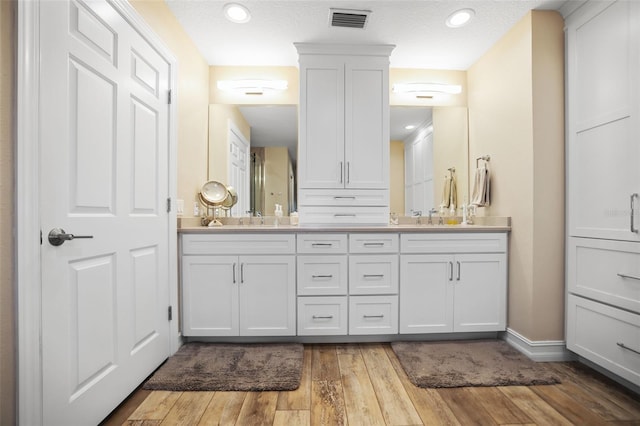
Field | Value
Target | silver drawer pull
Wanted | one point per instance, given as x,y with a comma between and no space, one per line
344,215
373,276
344,197
373,244
623,346
322,317
633,213
321,276
373,316
632,277
321,245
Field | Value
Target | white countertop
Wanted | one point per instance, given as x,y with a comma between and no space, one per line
481,224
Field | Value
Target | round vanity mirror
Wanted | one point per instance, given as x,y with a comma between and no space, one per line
213,193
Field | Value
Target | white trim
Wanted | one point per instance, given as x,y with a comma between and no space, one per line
28,233
27,239
540,350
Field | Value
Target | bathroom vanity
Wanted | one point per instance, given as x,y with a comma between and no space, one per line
251,281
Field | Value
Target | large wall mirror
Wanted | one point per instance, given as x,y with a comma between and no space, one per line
423,158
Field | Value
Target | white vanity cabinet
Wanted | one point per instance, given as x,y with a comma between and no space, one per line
343,133
603,185
238,285
453,283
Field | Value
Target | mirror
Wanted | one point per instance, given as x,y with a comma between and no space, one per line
420,158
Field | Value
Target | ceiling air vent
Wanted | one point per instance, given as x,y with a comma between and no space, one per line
348,18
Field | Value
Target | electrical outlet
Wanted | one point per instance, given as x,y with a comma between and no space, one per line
180,207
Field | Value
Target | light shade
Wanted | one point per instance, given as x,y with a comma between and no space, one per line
427,89
252,87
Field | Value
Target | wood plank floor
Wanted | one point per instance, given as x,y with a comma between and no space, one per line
364,384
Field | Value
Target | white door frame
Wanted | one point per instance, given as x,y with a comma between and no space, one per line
27,195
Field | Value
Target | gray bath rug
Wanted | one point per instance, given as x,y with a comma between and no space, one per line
230,367
469,363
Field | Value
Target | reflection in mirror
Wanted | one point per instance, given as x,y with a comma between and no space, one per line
272,132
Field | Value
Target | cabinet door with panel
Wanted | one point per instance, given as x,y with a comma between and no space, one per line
210,296
321,148
604,121
452,293
267,296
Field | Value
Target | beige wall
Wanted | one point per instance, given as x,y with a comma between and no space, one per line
8,342
192,96
515,115
396,178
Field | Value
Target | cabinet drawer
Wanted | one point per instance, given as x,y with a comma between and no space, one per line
373,274
238,244
346,197
608,336
373,243
373,315
322,316
322,243
322,275
608,271
317,215
453,243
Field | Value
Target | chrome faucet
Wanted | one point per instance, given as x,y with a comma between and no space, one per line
259,214
417,214
431,212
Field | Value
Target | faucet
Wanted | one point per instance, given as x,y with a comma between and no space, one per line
431,212
417,214
259,214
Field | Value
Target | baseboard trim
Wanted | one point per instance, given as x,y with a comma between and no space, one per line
540,350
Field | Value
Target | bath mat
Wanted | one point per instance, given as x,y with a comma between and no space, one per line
230,367
469,363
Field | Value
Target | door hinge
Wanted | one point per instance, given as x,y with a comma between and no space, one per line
169,205
169,97
170,313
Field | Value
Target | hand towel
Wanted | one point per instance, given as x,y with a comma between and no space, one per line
446,191
481,188
453,192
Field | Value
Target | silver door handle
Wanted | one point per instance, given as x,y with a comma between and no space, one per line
348,172
373,276
633,213
341,171
57,236
373,316
373,244
242,273
344,197
234,272
321,244
450,271
458,277
623,346
322,316
321,276
344,215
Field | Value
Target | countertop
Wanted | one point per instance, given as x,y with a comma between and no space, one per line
232,225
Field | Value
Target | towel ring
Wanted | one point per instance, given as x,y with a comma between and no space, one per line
484,158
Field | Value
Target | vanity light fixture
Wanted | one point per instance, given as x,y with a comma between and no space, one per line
236,13
252,87
460,18
427,90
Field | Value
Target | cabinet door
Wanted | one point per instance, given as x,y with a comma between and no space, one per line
367,123
480,282
210,295
321,148
426,293
267,296
603,124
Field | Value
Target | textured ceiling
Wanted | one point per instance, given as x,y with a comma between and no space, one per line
417,28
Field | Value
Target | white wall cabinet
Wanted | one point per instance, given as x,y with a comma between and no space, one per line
453,283
603,183
343,130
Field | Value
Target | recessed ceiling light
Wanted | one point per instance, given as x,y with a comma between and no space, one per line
237,13
460,18
409,127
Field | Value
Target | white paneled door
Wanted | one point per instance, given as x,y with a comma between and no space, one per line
104,173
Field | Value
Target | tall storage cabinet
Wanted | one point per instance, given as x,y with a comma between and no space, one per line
343,146
603,183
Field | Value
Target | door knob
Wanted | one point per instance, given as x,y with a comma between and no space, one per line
57,236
